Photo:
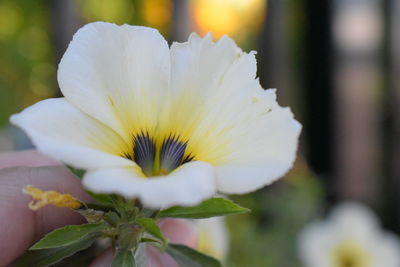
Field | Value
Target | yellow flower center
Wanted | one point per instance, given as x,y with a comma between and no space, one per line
350,254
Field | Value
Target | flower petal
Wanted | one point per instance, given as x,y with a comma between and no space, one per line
354,229
188,185
117,74
213,237
200,101
241,179
239,126
263,154
356,219
199,64
61,131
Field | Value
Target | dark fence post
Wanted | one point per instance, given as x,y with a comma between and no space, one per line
317,86
392,189
65,22
357,29
180,20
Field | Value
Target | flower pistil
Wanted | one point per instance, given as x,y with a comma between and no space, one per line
43,198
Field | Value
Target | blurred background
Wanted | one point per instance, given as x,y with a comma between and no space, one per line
335,63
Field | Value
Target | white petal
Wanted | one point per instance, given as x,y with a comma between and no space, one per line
264,146
239,127
315,245
213,237
355,219
387,252
349,222
241,179
199,64
61,131
117,74
188,185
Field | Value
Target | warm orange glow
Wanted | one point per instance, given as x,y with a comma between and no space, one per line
157,13
232,17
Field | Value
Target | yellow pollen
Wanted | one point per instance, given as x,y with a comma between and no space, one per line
43,198
163,172
350,254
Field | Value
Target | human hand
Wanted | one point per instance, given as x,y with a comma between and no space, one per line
20,227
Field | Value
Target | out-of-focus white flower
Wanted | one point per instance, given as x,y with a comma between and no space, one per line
351,237
213,237
170,126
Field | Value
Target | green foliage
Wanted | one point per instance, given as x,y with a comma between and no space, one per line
47,257
186,256
267,237
27,72
68,235
124,258
101,198
210,208
77,172
152,228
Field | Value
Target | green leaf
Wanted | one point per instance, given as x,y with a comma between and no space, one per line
124,258
77,172
47,257
101,198
67,235
210,208
186,256
151,227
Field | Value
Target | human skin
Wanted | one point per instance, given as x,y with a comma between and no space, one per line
20,227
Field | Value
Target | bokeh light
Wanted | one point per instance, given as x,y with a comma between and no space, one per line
157,14
237,18
116,11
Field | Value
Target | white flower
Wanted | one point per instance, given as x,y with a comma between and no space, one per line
167,125
351,237
213,237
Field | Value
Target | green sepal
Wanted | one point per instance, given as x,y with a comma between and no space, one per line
97,207
47,257
210,208
186,256
152,228
112,218
124,258
77,172
101,198
68,235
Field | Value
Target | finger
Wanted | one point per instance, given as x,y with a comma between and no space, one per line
21,227
31,158
104,259
177,231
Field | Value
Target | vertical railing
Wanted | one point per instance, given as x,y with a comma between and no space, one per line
392,159
317,88
65,22
180,20
357,27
